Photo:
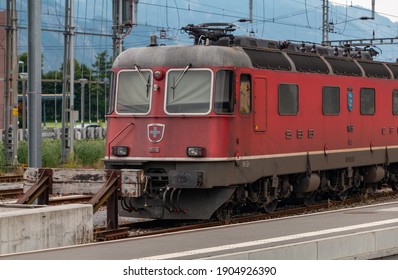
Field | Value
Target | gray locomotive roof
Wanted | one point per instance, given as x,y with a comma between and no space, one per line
253,57
181,56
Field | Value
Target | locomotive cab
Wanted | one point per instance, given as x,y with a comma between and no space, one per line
173,116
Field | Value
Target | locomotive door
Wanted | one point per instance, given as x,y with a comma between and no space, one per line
260,104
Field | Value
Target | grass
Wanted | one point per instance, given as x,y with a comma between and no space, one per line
88,153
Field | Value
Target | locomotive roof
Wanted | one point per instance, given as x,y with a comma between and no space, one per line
266,55
180,56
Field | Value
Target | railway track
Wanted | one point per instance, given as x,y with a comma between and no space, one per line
56,200
156,227
68,199
11,193
11,178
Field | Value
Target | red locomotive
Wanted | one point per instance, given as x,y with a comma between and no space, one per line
235,121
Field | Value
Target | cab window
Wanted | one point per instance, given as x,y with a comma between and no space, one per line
134,92
223,96
245,94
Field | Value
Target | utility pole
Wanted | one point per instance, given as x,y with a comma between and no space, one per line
34,84
362,42
251,11
14,84
10,89
24,77
116,18
82,84
326,27
122,17
67,129
325,22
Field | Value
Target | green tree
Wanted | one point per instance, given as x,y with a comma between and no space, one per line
101,65
99,86
96,90
52,92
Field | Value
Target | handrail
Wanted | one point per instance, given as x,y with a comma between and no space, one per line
109,194
114,138
40,190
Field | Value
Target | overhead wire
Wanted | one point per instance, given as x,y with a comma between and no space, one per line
103,25
368,25
232,12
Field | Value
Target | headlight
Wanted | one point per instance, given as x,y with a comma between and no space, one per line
195,151
120,151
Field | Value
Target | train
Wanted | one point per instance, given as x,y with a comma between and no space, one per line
233,122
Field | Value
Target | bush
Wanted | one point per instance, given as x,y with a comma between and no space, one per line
88,153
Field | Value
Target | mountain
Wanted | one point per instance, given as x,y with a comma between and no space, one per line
298,20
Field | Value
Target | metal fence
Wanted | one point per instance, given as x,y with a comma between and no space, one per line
55,133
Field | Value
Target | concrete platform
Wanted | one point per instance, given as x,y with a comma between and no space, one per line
366,232
29,228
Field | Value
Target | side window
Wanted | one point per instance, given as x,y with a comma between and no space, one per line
224,93
330,101
395,101
367,96
245,95
288,99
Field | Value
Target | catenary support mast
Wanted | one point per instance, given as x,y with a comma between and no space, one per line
34,83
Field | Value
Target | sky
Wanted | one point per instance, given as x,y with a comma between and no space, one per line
388,8
283,20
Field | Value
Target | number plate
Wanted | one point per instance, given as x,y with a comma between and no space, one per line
154,149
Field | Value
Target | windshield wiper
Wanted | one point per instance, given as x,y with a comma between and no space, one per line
146,82
181,75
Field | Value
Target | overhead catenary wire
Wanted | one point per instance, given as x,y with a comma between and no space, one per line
231,14
100,26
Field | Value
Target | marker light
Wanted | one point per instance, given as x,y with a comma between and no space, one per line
158,75
120,151
195,151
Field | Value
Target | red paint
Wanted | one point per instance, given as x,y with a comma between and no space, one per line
263,132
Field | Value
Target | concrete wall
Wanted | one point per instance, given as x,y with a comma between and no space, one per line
372,244
27,229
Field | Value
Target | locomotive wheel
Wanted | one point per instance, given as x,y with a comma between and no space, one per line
309,198
270,207
394,187
224,215
343,195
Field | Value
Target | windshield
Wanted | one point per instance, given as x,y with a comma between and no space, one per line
111,93
134,92
188,91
